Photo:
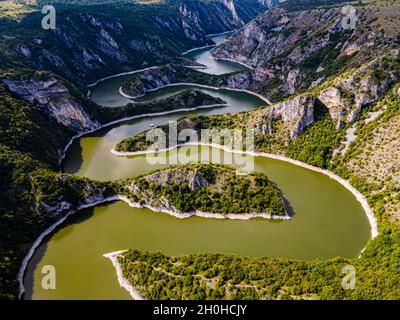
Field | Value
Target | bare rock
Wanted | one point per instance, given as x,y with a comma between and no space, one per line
55,99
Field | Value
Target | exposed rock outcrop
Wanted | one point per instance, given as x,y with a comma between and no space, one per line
55,99
332,99
59,194
292,50
297,113
346,97
193,178
93,43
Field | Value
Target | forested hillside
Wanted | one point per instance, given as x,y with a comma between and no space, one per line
336,106
96,39
43,103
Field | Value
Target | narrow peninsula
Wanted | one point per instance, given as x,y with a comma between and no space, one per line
207,190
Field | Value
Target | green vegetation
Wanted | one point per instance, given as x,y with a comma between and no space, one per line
381,191
215,276
144,81
33,198
316,146
207,188
88,54
184,100
21,122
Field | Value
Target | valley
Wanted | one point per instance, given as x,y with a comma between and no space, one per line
91,157
323,102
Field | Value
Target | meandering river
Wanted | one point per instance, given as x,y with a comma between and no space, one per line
328,219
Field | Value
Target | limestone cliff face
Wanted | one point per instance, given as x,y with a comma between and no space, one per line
332,98
55,100
212,17
298,49
56,195
296,113
91,42
346,97
151,79
274,32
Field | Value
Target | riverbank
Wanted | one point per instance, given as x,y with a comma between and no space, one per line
235,61
198,48
121,74
208,46
180,215
45,233
207,215
144,115
153,67
360,198
195,85
124,283
117,121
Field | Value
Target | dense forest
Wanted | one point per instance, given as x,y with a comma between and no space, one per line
207,188
215,276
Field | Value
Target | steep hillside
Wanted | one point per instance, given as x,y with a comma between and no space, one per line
293,50
97,39
324,125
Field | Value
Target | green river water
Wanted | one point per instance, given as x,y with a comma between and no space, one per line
328,221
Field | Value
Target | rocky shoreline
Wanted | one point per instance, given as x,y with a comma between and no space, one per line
144,115
196,85
49,230
360,198
207,215
113,256
235,61
176,214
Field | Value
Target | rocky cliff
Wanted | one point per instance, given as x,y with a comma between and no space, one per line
93,41
346,96
55,100
293,50
59,194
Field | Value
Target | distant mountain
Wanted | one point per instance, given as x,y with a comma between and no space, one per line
94,39
293,50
